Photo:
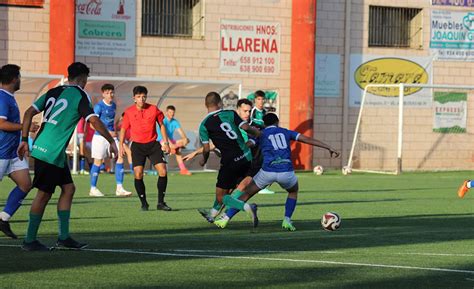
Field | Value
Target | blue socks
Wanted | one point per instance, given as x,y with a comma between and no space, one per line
82,164
95,170
119,173
290,206
15,198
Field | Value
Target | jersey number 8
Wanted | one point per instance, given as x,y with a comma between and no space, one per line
225,126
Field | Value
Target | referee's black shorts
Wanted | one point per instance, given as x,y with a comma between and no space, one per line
48,176
142,151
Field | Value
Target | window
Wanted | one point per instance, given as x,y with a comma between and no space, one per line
182,18
395,27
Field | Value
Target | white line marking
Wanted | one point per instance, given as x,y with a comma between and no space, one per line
127,251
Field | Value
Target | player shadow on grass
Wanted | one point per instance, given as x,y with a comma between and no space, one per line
355,233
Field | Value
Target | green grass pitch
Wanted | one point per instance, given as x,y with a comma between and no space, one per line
408,231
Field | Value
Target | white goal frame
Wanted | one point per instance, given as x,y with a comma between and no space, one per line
401,87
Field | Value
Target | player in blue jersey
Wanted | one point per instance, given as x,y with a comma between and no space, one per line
277,167
10,133
172,125
105,110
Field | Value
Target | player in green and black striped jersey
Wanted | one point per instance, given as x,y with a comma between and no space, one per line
223,128
63,106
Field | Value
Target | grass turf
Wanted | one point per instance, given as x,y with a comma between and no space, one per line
413,223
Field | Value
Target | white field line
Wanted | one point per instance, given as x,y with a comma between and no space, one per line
191,255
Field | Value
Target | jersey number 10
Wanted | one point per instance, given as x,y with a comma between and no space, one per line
278,141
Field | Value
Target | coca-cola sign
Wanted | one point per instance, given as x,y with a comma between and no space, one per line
90,7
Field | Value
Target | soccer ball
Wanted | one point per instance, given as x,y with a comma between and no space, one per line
318,170
346,170
331,221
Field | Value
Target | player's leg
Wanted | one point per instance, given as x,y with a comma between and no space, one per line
45,180
139,158
99,152
119,173
251,189
158,160
179,158
289,182
64,214
19,173
464,188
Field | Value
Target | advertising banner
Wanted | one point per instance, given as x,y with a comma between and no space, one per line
450,112
250,47
327,75
452,35
371,69
105,28
457,3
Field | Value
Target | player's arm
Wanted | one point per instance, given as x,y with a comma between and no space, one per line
199,151
206,149
183,136
123,129
304,139
23,149
250,129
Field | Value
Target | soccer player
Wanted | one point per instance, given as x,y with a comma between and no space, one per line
277,167
63,106
106,109
85,134
464,188
222,127
141,119
172,124
257,113
10,132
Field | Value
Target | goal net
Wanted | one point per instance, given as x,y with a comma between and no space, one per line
431,134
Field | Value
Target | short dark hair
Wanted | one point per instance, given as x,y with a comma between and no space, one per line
243,101
139,89
171,107
213,98
9,72
107,86
270,119
259,93
77,69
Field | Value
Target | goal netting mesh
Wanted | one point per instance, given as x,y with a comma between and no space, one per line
430,135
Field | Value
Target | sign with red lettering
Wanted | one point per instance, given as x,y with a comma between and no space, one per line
250,47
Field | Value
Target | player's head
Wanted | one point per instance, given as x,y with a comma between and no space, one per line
213,100
78,73
244,106
139,95
10,75
108,92
170,111
270,119
259,99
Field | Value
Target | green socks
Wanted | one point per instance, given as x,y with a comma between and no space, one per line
216,205
232,202
63,217
33,226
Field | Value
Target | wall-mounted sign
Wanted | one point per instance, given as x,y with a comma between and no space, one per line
250,47
105,28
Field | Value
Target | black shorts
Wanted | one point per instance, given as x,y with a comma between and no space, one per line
230,174
151,150
257,163
48,176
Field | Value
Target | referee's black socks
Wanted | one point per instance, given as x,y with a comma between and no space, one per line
162,183
140,187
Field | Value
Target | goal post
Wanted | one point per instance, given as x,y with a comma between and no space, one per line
406,135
